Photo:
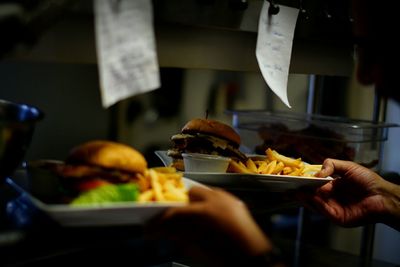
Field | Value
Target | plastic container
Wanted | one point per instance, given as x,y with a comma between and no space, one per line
311,137
195,162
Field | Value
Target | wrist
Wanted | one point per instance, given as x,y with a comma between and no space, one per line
391,193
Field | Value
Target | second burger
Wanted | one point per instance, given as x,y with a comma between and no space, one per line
205,136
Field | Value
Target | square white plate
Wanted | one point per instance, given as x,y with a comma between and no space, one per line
115,214
257,182
254,182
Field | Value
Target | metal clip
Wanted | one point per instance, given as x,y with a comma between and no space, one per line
273,8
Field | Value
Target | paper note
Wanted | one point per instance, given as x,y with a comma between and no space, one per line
126,49
274,47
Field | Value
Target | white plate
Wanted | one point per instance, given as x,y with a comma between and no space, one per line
116,214
165,159
257,182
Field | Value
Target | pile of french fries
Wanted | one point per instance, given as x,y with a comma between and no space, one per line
274,163
162,184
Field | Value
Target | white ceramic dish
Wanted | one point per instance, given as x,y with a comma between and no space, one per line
162,155
257,182
116,214
250,182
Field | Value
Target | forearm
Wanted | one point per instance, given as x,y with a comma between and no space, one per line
270,258
391,193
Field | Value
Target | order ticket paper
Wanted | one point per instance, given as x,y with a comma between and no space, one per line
126,49
274,47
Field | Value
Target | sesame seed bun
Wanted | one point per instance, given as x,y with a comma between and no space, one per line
108,154
212,127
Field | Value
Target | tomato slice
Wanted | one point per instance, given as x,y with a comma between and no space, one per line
91,184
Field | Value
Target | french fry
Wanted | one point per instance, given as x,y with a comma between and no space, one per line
311,167
269,154
251,165
146,196
180,185
155,184
286,160
175,194
242,164
310,170
168,185
270,167
279,167
143,183
237,168
170,170
262,168
259,163
296,172
161,184
287,170
274,163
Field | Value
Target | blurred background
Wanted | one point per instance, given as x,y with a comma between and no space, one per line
206,52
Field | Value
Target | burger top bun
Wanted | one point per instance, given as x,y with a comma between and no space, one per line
108,154
212,127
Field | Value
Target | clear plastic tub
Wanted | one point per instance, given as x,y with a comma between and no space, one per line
311,137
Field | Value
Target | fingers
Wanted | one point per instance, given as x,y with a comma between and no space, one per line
199,193
335,166
198,197
320,203
191,210
173,221
328,207
306,199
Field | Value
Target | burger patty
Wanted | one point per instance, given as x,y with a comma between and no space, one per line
80,172
205,144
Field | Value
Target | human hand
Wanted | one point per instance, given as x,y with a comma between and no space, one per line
357,197
215,226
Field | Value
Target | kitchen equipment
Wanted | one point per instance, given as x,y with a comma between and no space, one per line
311,137
17,124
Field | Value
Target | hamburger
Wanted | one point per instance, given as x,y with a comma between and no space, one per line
98,163
205,136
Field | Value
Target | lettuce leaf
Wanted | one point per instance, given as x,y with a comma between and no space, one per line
108,194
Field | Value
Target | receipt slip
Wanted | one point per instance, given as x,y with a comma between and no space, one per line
274,47
126,49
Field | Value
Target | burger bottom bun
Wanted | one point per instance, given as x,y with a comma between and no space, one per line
108,154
